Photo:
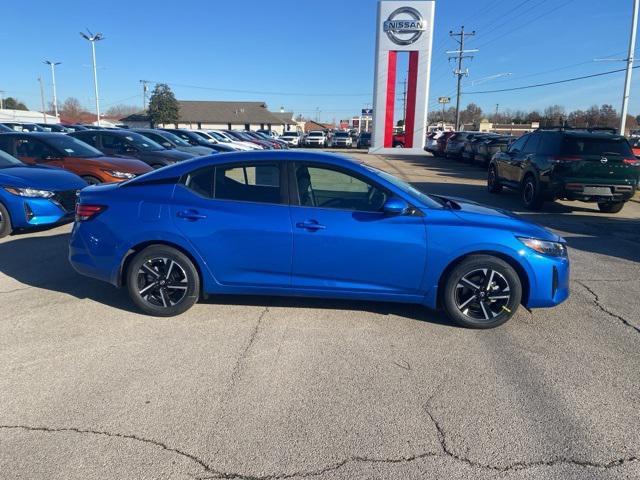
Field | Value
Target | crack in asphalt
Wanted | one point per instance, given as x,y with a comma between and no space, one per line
605,309
239,365
212,473
448,452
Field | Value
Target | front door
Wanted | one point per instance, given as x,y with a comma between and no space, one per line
342,240
35,152
237,217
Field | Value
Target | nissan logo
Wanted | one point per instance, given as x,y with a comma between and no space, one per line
405,30
604,160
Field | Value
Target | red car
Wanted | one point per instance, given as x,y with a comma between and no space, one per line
635,146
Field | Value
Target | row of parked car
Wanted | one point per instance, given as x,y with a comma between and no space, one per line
42,167
590,165
328,139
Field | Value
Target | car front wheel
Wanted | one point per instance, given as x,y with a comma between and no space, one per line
610,207
5,222
162,281
482,291
493,184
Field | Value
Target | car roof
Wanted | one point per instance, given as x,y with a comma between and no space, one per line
34,134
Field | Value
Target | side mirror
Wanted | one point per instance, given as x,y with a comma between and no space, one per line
395,206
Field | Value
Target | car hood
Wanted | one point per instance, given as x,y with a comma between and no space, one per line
173,155
40,177
132,165
483,215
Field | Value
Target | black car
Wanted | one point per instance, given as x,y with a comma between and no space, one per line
585,165
192,138
172,141
364,140
471,145
23,127
131,144
488,147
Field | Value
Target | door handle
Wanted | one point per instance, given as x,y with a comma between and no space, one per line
310,225
191,215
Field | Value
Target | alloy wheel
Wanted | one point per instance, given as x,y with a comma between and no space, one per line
162,282
529,192
483,294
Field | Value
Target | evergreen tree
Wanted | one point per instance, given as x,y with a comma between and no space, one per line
163,106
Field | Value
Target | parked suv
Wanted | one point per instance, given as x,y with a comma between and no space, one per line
292,138
585,165
131,144
340,139
315,138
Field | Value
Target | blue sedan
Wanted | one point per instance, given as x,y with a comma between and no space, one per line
311,224
35,197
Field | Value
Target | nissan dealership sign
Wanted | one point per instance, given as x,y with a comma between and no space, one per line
403,26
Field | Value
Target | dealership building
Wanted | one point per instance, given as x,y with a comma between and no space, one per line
205,114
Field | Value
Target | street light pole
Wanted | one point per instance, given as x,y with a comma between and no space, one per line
44,115
53,79
630,59
93,39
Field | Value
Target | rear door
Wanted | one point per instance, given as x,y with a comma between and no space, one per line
342,240
511,161
237,217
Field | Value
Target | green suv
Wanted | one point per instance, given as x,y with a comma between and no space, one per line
587,165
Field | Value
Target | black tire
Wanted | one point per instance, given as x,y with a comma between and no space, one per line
474,307
176,279
493,183
610,207
5,222
530,193
92,180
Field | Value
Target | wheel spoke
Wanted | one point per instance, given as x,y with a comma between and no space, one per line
498,297
484,310
469,283
177,287
467,302
489,282
170,268
148,287
150,270
163,298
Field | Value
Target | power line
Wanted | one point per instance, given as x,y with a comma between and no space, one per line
519,15
460,57
567,80
256,92
503,15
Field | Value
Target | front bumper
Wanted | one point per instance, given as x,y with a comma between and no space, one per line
38,213
551,284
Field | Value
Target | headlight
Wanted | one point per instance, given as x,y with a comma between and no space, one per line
552,249
30,192
117,174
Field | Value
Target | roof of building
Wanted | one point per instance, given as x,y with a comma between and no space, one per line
207,111
286,117
313,125
29,116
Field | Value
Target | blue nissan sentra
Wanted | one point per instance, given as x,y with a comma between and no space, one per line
311,224
35,197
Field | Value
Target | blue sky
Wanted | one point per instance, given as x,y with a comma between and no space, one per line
324,49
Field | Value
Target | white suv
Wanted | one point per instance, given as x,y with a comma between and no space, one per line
316,138
292,138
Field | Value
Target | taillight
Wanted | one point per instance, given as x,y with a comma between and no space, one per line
86,212
565,159
634,162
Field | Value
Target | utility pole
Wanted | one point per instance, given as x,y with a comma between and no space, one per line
404,103
145,89
91,38
460,57
53,79
630,59
44,115
1,99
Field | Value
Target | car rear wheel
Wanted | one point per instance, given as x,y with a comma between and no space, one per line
162,281
610,207
531,196
493,184
5,222
482,291
91,180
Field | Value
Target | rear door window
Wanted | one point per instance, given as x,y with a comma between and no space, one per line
249,183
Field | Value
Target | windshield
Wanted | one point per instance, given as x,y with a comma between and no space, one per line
316,134
290,134
572,145
405,187
72,147
219,137
341,134
176,140
7,160
142,143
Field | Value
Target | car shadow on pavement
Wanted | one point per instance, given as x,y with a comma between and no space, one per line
41,261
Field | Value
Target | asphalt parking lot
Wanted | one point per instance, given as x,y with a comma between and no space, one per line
274,388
